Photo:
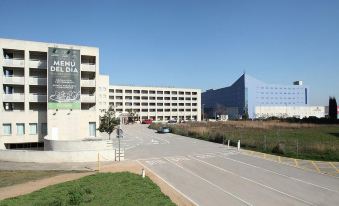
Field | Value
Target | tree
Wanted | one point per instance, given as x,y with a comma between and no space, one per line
332,108
108,122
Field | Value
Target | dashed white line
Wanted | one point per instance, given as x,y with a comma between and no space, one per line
253,181
209,182
273,172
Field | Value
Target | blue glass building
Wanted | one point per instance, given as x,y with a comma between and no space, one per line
246,93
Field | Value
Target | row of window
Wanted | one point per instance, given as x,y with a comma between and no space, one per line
152,98
280,103
40,56
151,104
166,118
156,110
288,93
289,88
128,91
20,128
281,97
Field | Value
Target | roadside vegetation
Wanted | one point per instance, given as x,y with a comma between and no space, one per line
122,188
297,140
9,177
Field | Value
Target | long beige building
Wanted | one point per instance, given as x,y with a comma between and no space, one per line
157,103
44,95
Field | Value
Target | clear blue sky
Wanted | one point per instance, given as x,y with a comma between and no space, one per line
192,43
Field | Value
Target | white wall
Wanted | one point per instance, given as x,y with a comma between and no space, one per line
56,156
289,111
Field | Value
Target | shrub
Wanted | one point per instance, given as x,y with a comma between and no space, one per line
279,149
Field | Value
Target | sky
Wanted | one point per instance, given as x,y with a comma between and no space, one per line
193,43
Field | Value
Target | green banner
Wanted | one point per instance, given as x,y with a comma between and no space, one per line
63,78
55,105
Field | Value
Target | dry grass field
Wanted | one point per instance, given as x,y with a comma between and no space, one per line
306,141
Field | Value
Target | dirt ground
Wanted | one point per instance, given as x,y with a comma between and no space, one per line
131,166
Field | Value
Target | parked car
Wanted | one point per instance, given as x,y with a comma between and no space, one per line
164,130
172,121
147,121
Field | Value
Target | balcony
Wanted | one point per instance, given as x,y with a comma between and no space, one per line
37,97
16,97
88,83
88,98
37,81
39,64
13,63
13,80
88,67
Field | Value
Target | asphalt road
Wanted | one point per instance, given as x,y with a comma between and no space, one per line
212,174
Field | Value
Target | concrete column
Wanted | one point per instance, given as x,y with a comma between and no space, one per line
26,92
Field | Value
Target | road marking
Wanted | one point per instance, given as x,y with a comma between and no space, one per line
303,168
316,166
253,181
178,159
181,193
211,183
271,171
336,169
155,162
205,156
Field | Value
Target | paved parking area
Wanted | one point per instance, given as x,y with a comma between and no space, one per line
211,174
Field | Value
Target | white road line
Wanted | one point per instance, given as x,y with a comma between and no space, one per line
169,184
253,181
273,172
209,182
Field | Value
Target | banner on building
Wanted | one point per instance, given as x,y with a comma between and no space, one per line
63,78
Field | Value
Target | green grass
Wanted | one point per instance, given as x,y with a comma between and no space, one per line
304,141
8,178
122,188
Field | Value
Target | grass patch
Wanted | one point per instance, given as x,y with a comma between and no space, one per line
8,177
122,188
304,141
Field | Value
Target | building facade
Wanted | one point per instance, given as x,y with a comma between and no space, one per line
247,93
55,91
289,111
156,103
26,117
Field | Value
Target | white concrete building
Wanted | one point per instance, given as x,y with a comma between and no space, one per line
32,108
157,103
289,111
24,117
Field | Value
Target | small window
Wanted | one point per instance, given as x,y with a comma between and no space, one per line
20,128
7,129
33,128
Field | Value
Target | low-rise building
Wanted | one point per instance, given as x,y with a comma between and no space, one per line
289,111
156,103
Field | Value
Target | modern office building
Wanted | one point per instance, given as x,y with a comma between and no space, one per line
57,90
157,103
247,95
